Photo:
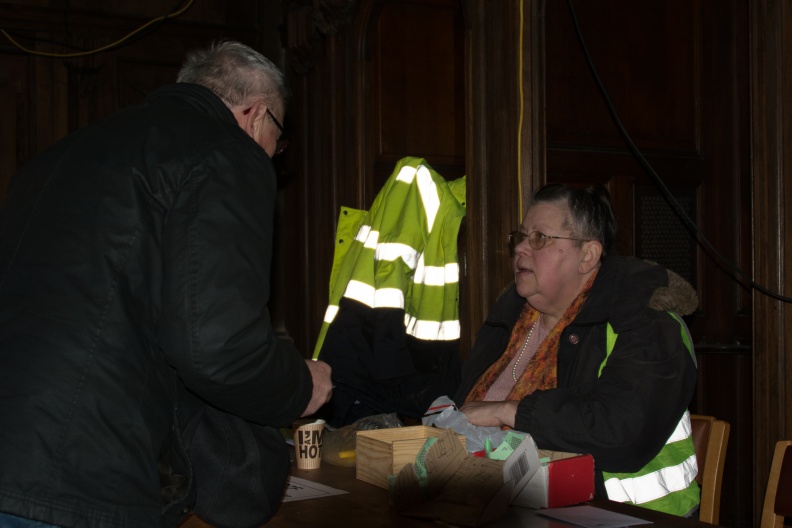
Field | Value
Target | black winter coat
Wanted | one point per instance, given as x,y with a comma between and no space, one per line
134,270
623,417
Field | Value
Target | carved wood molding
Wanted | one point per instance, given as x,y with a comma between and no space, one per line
332,15
307,25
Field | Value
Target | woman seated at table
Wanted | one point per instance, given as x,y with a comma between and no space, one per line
545,361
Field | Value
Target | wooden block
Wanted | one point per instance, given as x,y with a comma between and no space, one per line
382,452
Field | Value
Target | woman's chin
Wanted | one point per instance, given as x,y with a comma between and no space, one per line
525,290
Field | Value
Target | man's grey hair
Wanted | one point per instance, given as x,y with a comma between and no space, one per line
235,72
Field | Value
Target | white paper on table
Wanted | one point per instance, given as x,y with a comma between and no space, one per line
301,489
592,517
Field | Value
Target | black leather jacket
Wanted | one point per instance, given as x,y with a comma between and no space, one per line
624,416
134,270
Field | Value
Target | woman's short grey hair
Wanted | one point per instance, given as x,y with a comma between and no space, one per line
236,73
590,213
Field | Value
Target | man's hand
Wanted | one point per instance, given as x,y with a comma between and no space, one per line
322,385
491,413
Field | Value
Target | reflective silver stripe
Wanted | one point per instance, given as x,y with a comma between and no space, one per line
393,250
407,174
435,275
330,313
432,330
367,237
683,429
653,485
427,188
381,298
387,251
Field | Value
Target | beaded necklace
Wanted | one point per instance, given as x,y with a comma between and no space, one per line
522,350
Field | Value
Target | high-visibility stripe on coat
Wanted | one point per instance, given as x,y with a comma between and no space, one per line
668,482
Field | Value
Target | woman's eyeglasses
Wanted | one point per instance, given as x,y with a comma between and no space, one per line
536,239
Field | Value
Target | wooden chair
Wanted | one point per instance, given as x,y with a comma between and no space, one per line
710,437
778,497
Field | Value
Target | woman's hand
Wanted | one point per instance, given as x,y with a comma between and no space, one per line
491,414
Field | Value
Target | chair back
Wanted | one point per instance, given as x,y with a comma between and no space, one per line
710,438
778,497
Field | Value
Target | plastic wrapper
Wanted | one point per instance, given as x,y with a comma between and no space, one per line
338,447
444,414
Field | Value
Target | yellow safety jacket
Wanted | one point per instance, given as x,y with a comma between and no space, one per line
395,277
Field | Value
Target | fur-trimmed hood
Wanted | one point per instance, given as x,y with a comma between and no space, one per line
626,286
679,296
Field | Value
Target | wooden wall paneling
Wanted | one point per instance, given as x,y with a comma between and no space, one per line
725,302
723,324
492,146
731,369
319,169
15,107
533,140
771,114
49,100
62,94
416,87
387,83
326,64
88,81
636,87
656,104
203,12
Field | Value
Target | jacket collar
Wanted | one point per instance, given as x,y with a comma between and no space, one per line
623,289
197,96
626,286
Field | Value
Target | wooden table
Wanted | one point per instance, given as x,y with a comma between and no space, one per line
367,506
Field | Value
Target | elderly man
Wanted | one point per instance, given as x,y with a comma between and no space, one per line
140,376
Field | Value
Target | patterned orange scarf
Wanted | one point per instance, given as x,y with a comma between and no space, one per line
541,371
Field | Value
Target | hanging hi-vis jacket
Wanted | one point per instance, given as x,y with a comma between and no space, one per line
392,324
668,482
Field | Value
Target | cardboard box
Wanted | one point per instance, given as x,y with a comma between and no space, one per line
383,452
464,490
460,490
562,479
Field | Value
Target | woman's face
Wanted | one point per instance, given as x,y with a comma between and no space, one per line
549,278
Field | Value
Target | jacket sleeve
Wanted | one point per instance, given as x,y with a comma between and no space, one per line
215,325
624,416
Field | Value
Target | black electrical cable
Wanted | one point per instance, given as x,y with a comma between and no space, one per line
656,178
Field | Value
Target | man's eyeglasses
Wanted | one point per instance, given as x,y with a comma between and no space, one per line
536,239
281,143
275,120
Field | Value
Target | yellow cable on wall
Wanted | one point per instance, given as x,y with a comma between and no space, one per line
520,119
103,48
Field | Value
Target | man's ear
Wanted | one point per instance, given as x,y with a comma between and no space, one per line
251,118
592,253
258,112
